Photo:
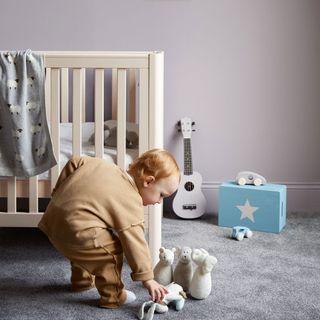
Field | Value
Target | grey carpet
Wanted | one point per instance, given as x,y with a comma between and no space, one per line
270,276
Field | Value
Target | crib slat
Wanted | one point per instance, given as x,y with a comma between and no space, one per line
83,105
132,95
33,194
77,111
99,112
114,94
64,95
55,122
48,94
143,111
12,194
121,118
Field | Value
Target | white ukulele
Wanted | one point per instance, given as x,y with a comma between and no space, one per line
189,202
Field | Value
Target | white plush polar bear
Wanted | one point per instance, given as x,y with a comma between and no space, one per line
200,287
163,271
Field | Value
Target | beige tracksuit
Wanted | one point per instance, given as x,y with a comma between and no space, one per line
96,214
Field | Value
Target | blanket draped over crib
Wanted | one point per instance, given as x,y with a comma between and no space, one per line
25,143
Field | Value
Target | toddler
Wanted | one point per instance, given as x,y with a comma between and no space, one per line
96,215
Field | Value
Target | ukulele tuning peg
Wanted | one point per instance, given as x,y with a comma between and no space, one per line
193,129
193,123
179,123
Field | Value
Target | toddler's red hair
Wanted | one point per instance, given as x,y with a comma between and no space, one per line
156,162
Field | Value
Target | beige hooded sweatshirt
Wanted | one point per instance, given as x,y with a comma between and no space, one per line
92,200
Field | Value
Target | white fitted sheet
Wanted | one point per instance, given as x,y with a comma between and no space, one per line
110,154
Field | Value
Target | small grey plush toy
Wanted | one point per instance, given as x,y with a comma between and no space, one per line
132,139
183,271
110,137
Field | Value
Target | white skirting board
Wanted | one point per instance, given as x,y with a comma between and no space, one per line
18,219
302,197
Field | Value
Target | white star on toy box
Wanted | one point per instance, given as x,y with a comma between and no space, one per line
247,211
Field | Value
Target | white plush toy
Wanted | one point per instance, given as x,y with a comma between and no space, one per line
175,297
200,287
163,271
183,271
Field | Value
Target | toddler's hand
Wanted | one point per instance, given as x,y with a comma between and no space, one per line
156,290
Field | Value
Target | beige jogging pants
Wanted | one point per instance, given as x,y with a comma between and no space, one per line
105,264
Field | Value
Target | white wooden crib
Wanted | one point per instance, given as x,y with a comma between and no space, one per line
137,91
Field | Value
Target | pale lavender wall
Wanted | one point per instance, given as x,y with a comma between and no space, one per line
247,72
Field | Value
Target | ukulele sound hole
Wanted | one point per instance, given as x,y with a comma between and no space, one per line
189,186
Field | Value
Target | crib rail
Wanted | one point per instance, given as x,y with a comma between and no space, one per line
109,60
136,77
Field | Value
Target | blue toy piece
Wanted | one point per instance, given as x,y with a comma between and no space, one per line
239,232
178,304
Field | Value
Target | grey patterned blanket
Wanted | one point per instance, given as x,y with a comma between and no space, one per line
25,143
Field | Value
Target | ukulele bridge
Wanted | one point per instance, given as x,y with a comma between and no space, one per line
189,207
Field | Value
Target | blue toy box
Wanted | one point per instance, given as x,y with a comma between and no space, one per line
261,208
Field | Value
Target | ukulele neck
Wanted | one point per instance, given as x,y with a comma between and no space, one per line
187,157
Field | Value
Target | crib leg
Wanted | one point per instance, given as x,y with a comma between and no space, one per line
155,221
